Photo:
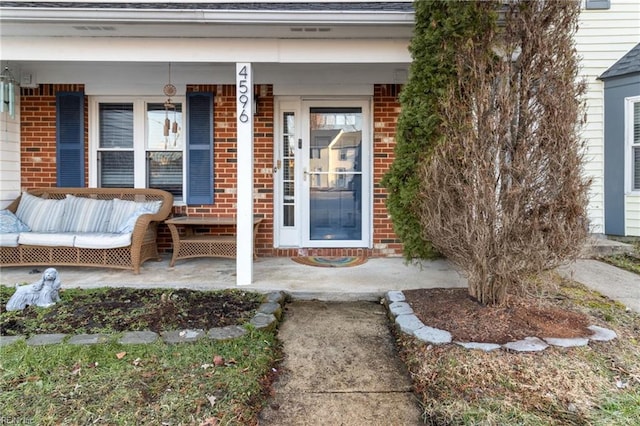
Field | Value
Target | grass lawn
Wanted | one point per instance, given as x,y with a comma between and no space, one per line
205,382
181,384
594,385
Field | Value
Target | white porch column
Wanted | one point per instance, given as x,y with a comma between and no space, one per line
244,208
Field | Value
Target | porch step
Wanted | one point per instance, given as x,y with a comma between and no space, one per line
602,246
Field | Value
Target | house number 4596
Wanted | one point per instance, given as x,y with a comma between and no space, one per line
243,97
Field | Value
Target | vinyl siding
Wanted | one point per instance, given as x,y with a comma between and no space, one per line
9,157
604,36
632,215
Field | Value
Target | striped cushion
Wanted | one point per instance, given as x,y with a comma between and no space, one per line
123,210
86,214
40,214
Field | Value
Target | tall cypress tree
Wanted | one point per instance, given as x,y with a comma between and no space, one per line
440,28
490,159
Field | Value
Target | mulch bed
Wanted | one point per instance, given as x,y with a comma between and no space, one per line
468,321
128,309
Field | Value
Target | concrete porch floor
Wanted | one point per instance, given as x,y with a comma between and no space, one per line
368,281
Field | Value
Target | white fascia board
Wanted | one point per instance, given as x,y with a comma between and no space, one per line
194,50
204,16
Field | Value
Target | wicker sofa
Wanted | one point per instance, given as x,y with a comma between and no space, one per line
99,227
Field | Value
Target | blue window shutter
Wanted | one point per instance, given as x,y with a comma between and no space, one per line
199,148
70,139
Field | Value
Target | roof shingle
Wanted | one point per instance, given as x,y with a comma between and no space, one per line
244,6
628,64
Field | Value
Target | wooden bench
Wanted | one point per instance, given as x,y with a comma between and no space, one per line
192,244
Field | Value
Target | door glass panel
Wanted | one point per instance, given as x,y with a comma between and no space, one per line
288,169
335,174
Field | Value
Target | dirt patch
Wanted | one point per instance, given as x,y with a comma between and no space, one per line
110,310
127,309
468,321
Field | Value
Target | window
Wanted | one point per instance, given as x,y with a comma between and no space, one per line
632,131
139,143
164,147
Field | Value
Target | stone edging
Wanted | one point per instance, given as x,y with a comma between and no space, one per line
407,322
267,317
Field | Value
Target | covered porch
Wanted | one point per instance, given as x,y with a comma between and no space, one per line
324,64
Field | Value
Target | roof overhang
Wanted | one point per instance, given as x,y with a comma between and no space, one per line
191,31
142,16
126,19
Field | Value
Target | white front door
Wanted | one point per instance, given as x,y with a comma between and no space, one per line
322,170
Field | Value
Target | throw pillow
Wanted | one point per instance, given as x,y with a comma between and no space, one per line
40,214
131,221
10,224
124,209
86,214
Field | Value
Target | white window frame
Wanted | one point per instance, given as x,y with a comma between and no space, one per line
139,137
628,143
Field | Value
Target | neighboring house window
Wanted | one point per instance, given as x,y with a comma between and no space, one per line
632,132
139,144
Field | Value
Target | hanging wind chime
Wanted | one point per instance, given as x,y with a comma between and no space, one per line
169,127
8,87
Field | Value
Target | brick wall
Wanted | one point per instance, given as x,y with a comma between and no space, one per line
224,169
386,109
38,134
38,161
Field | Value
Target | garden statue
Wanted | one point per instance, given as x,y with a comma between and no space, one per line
43,293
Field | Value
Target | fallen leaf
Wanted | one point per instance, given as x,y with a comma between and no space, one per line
76,370
621,384
205,366
121,355
212,400
218,360
137,362
211,421
232,361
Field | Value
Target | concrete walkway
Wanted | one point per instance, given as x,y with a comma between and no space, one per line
340,368
615,283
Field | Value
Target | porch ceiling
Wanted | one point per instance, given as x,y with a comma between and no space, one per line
148,78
